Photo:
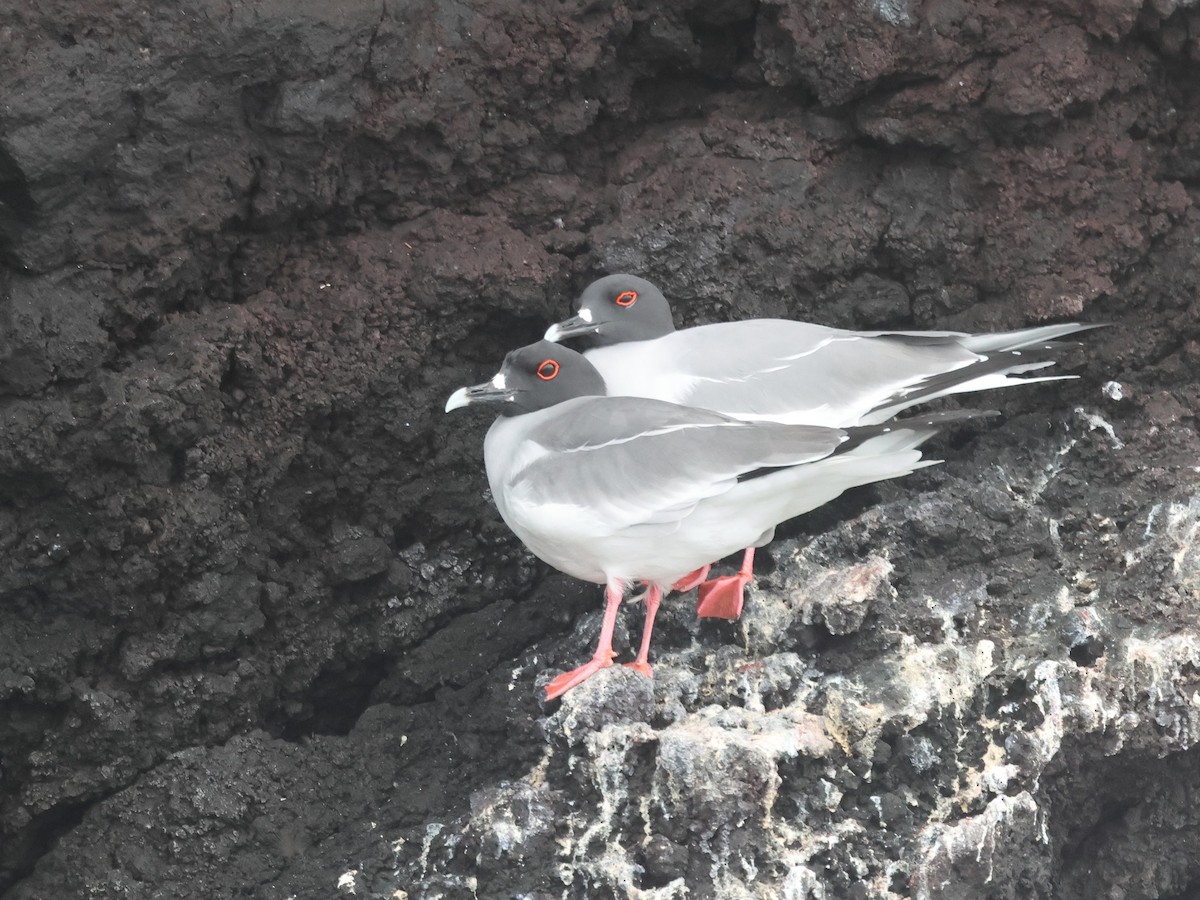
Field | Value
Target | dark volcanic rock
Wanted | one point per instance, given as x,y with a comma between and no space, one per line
261,632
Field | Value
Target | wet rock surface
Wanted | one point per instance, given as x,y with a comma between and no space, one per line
261,632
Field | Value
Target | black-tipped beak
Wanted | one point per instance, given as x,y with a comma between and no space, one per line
572,327
492,391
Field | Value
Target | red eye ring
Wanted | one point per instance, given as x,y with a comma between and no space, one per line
548,370
626,298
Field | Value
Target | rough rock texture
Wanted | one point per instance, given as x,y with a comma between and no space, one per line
261,633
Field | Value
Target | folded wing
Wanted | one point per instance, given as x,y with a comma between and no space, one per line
629,461
796,372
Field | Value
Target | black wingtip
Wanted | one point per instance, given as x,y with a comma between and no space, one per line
932,422
946,417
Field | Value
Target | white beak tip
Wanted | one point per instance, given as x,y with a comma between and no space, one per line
458,400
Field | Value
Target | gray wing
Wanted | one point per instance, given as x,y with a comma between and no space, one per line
632,461
808,373
797,372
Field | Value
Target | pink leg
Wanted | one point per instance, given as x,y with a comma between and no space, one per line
722,598
653,598
604,651
690,580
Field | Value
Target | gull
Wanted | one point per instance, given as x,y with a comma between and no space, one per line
779,370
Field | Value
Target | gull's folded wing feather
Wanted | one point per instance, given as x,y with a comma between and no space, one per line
629,461
792,371
798,372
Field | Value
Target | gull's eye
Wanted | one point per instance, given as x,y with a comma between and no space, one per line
548,370
626,298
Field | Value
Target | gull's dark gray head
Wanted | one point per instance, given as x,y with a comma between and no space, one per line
616,309
533,378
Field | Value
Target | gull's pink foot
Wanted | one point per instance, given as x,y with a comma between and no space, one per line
603,656
568,680
653,599
643,667
604,652
689,581
722,598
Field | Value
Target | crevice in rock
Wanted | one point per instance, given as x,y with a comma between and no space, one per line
26,486
1128,818
18,209
726,42
1190,892
230,375
335,699
256,100
178,466
137,104
1088,652
19,858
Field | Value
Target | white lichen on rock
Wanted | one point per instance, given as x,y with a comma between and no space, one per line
746,771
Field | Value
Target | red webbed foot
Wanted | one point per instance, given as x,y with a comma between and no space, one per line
568,680
722,598
689,581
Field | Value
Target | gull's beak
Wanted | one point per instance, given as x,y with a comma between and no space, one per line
572,327
494,391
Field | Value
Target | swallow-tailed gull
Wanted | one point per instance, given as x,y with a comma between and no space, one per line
784,371
622,490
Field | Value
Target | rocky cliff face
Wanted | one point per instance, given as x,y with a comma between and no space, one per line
261,632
